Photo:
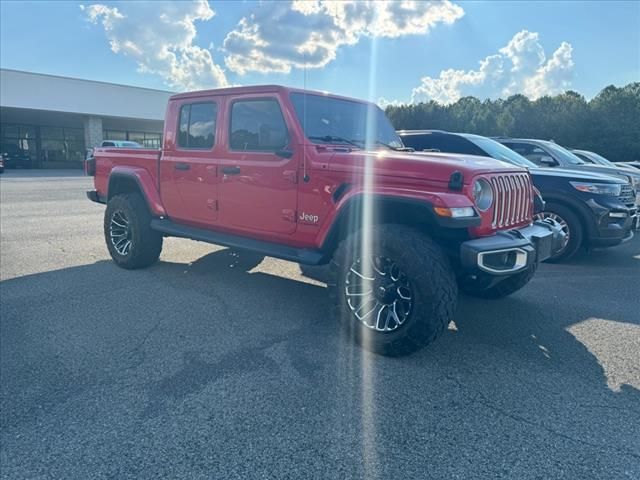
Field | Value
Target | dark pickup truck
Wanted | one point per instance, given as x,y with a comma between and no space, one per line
316,179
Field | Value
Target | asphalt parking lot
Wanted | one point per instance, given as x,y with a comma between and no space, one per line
194,369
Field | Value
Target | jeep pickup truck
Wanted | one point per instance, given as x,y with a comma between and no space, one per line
321,179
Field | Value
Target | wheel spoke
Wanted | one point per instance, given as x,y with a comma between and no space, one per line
376,269
361,275
119,233
357,294
364,304
386,322
404,293
394,314
378,293
121,225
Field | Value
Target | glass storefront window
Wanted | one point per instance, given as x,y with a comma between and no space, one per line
50,146
146,139
114,135
52,133
10,131
137,137
152,140
19,141
53,151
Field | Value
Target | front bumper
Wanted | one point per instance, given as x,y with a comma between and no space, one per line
614,222
94,196
508,252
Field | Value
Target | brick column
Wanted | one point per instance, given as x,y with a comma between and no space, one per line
92,131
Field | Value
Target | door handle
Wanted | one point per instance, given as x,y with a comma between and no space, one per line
231,170
182,166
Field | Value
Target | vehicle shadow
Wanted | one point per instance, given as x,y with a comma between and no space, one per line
149,344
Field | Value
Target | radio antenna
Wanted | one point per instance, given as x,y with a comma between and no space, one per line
305,176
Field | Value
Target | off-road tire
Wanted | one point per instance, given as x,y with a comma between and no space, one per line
146,244
500,290
427,268
576,231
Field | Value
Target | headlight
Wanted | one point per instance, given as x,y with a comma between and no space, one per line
600,188
482,194
635,181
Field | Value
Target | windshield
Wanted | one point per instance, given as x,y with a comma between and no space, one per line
563,154
333,120
600,159
499,151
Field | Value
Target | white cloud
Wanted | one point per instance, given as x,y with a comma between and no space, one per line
519,67
160,38
384,103
279,36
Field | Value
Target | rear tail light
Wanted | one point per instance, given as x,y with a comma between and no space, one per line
90,164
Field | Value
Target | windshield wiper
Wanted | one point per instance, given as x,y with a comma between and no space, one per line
333,138
397,149
358,142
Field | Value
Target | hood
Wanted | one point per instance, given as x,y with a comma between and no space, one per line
577,174
603,170
418,165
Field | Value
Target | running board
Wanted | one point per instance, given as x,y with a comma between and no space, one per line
305,256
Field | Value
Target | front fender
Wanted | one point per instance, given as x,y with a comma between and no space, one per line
146,185
401,202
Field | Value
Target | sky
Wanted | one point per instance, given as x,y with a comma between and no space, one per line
383,51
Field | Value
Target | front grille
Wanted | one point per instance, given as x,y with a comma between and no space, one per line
627,196
513,202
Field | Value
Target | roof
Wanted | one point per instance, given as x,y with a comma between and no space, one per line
260,89
37,91
525,140
422,132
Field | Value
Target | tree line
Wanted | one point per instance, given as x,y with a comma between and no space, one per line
608,124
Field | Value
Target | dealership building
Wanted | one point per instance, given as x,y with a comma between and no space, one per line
53,120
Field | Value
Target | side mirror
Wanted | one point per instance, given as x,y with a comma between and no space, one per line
548,160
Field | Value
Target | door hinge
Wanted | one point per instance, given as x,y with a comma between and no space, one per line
289,215
291,175
212,204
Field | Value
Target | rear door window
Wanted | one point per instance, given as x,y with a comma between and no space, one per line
197,126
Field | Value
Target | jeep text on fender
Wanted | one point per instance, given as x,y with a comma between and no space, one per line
315,179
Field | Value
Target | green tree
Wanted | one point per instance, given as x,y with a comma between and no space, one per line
608,124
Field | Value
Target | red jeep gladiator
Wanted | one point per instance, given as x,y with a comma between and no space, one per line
316,178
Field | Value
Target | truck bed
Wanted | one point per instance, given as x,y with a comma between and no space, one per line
109,158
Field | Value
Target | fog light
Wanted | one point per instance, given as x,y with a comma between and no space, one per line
618,214
503,261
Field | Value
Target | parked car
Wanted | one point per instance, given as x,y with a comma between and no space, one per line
14,157
297,175
120,144
588,205
549,154
594,158
546,153
628,164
